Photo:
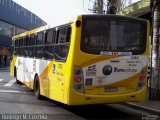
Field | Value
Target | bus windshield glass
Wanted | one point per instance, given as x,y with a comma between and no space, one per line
113,36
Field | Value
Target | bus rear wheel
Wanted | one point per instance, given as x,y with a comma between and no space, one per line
37,88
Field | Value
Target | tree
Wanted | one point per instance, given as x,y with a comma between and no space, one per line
155,55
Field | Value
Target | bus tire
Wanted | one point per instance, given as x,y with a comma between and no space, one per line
15,75
15,72
37,88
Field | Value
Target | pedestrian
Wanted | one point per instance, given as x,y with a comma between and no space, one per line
5,60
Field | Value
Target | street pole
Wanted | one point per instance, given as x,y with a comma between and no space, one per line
154,93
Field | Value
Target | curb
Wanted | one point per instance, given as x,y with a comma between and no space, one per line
140,107
4,69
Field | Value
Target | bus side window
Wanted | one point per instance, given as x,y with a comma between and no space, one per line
49,37
64,35
40,38
24,42
33,39
49,47
17,49
63,39
68,37
32,44
25,47
21,47
39,45
16,45
27,41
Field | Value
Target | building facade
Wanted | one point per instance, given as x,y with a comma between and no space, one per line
15,19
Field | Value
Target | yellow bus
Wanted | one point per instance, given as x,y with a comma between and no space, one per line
94,59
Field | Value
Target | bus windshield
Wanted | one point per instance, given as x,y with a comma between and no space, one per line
113,36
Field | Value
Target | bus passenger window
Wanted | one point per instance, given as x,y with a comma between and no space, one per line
17,52
21,42
50,37
27,39
49,52
20,49
40,38
61,50
33,39
31,48
39,47
16,45
49,47
25,48
64,35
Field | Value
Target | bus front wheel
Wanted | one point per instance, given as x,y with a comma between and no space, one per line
37,88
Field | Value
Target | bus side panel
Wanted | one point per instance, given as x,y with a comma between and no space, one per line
24,68
42,72
70,64
20,68
52,80
28,72
56,81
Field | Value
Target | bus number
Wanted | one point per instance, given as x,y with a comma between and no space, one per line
135,57
60,66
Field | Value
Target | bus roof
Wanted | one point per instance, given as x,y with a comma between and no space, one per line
72,21
29,32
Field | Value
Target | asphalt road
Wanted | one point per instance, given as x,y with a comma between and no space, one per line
18,100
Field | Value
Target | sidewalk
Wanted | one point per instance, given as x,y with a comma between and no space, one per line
4,69
151,106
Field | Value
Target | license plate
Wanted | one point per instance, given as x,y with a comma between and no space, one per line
111,89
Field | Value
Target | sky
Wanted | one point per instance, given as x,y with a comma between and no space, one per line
54,12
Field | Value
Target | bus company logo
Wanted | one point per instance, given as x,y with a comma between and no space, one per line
107,70
125,70
91,71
